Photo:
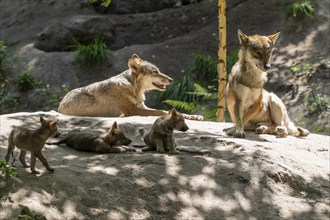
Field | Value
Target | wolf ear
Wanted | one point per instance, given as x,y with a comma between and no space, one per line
134,63
173,112
112,129
114,125
273,37
42,120
53,123
137,58
243,38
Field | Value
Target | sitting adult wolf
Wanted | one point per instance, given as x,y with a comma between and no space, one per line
120,95
250,106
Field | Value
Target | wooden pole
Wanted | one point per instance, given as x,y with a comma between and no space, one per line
221,61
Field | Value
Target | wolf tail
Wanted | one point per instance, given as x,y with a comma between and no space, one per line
292,129
62,141
11,146
142,131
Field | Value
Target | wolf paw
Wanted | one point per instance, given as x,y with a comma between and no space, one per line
261,129
50,169
239,134
161,150
175,152
130,149
303,132
35,172
236,132
231,131
281,131
193,117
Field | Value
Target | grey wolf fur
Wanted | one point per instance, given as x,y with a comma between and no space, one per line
33,141
109,142
160,137
121,95
250,106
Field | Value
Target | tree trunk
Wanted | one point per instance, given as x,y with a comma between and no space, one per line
221,61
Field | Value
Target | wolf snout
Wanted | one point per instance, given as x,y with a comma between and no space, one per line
184,128
128,141
57,135
267,66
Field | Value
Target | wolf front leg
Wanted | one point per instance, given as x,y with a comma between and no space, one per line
172,146
22,158
253,111
239,132
43,160
33,163
159,145
148,112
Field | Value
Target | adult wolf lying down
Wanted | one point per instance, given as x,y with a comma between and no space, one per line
120,95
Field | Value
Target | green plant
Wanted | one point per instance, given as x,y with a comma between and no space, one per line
309,69
319,129
9,101
231,59
3,55
197,91
104,3
300,10
204,69
306,68
7,169
89,55
179,90
26,81
316,103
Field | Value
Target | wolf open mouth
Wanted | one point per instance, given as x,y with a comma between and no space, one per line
159,85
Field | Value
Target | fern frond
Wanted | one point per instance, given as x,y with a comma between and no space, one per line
189,107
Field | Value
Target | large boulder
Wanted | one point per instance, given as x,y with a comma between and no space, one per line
81,28
141,6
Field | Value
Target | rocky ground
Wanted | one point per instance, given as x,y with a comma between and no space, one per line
215,177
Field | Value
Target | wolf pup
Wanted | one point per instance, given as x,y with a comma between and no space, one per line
32,140
160,137
250,106
109,142
121,95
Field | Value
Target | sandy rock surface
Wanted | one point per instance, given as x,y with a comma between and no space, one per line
215,177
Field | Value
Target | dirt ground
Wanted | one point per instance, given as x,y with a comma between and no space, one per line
215,177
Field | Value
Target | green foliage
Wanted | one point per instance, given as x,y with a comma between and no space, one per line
179,90
90,55
300,10
185,106
26,81
319,129
204,69
306,68
295,69
104,3
231,59
316,104
3,55
309,69
57,97
197,91
3,68
9,101
7,170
